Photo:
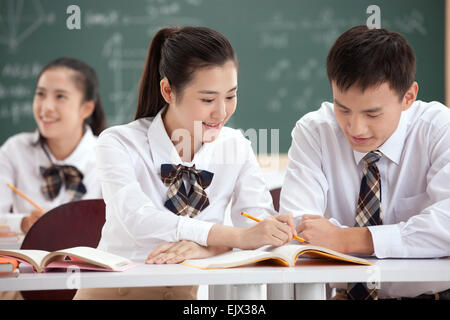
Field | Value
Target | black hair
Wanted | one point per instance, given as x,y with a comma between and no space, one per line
369,57
86,80
176,53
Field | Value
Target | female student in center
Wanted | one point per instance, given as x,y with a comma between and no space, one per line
168,177
56,163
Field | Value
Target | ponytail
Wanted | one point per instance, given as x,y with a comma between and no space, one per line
150,99
176,53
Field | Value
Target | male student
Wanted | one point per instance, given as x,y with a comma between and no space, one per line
370,172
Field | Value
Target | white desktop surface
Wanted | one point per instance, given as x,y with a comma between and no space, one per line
390,270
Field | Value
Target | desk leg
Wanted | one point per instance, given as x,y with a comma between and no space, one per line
237,292
219,292
310,291
280,291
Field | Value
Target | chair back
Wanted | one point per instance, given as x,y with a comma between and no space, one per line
275,193
73,224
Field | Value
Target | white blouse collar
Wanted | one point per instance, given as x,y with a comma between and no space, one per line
84,146
163,150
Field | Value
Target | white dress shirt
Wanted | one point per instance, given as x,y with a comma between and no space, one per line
324,176
20,159
129,159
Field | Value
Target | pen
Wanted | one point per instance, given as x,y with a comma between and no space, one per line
25,197
257,220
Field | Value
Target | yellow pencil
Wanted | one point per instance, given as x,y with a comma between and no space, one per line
257,220
25,197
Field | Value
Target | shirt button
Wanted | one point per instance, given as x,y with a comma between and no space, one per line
168,295
123,291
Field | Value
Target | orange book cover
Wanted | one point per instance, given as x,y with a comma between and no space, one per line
6,260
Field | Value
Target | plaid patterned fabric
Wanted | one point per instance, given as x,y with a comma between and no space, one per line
178,201
368,213
54,177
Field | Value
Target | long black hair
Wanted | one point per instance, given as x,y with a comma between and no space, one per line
176,53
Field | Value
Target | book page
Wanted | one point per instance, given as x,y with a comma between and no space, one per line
333,255
289,251
94,256
230,259
286,254
294,250
33,257
65,264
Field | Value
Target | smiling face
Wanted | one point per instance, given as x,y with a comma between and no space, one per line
206,102
369,118
58,106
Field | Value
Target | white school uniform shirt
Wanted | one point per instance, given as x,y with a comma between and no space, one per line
129,159
20,159
324,176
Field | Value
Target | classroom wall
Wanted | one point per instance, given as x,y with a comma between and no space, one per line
281,46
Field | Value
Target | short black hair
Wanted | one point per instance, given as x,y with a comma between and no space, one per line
369,57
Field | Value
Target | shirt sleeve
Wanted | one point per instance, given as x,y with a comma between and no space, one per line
251,194
305,186
13,220
426,234
132,207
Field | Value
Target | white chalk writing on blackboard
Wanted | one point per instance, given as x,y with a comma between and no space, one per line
16,91
16,111
21,20
275,72
17,70
102,19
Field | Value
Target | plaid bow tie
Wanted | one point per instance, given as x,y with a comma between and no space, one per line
178,201
54,177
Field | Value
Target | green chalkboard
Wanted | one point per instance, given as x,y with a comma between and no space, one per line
281,46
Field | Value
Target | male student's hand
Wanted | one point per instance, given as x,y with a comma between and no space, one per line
28,221
319,231
177,252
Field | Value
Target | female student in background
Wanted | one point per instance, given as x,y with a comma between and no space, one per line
168,177
56,163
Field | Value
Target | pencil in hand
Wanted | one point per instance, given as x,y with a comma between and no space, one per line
257,220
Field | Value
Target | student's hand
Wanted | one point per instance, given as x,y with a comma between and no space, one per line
319,231
275,230
28,221
177,252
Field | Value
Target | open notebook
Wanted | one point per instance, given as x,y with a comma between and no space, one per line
286,255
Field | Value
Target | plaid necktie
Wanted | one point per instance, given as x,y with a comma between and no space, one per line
54,177
178,201
368,213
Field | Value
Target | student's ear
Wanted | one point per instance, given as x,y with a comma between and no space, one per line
166,90
410,96
87,109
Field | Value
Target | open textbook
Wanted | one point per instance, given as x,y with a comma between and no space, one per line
82,257
287,255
